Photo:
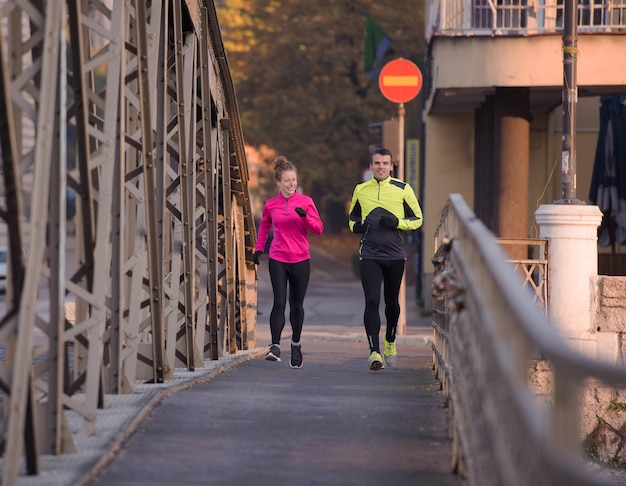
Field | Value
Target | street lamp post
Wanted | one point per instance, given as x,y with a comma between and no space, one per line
570,98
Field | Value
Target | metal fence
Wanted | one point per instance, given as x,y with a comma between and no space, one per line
131,105
486,335
533,268
521,17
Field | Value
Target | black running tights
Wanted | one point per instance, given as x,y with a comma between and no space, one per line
373,274
297,276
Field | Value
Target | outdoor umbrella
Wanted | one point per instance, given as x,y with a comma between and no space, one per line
608,182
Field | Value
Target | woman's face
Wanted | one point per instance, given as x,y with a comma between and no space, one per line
288,183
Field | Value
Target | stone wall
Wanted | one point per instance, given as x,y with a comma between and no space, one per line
603,408
609,318
603,413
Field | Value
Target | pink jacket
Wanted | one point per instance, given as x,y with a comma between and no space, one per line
290,243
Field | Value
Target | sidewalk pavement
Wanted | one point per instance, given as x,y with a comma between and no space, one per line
334,393
333,421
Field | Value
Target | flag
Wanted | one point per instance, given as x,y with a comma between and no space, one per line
377,43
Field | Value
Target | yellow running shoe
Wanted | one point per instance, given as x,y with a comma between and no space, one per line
390,352
375,361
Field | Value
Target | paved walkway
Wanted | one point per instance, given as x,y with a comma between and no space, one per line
244,420
331,422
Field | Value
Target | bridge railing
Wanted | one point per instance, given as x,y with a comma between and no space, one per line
487,331
130,106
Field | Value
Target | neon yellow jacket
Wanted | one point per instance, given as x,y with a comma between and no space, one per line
371,201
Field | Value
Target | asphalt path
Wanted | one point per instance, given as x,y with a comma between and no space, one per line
331,422
334,304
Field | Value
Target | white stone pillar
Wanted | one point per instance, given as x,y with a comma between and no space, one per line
572,262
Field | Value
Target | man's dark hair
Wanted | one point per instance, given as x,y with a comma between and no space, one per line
381,151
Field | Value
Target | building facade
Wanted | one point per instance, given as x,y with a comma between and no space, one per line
493,113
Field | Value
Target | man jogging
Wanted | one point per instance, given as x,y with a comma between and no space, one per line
379,210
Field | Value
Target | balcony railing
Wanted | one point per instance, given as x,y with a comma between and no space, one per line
520,17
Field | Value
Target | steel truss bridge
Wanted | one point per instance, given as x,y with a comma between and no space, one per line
130,105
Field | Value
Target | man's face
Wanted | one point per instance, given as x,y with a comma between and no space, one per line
381,166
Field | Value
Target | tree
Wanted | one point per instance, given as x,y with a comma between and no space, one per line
302,89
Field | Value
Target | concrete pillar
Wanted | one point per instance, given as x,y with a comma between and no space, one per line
512,149
572,262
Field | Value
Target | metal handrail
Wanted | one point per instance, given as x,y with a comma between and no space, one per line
486,333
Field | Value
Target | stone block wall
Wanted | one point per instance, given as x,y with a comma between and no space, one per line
603,408
609,318
603,413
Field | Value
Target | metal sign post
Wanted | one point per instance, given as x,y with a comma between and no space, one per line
400,81
401,330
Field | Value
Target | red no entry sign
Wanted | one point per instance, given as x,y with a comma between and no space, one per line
400,81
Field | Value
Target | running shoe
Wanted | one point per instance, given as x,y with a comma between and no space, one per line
296,355
274,353
390,352
376,361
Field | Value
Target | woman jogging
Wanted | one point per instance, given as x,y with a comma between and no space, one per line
292,216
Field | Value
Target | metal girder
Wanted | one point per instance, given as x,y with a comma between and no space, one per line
208,198
96,113
8,326
228,286
143,335
185,86
20,340
134,113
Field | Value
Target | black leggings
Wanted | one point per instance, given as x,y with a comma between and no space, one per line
297,275
373,274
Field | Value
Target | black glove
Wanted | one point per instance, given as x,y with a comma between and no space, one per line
301,212
357,228
389,221
256,256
